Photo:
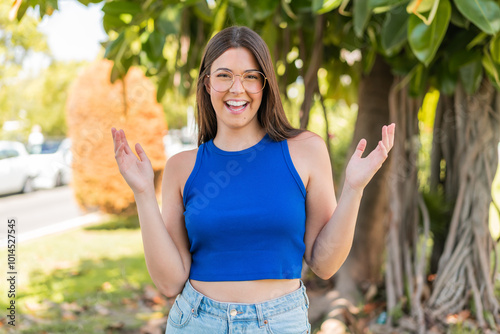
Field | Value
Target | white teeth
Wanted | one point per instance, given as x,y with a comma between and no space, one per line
236,103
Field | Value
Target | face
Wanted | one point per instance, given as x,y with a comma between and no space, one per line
236,108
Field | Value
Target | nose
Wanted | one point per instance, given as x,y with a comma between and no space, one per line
237,86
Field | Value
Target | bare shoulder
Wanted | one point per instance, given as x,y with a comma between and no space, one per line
308,144
308,152
182,159
180,165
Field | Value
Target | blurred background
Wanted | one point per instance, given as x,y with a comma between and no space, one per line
424,258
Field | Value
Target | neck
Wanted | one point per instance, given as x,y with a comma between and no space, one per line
237,140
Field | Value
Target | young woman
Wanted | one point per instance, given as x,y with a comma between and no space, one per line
241,212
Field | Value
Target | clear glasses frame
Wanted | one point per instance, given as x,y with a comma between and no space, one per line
242,80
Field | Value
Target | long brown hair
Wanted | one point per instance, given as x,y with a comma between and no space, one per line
271,115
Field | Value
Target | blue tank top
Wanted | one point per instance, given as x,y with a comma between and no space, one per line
245,213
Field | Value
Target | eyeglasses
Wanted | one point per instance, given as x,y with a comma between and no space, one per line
252,81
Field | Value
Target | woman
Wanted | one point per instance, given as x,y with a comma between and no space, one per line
241,212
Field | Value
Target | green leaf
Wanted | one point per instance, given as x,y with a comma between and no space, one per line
203,12
241,16
86,2
113,47
121,7
491,68
286,8
463,57
162,87
262,9
425,39
447,80
220,16
418,82
361,16
22,10
458,19
169,21
495,48
384,5
471,76
485,14
477,40
324,6
269,33
394,31
111,22
423,6
47,7
156,42
369,57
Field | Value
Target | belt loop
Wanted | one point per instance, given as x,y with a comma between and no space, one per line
303,288
196,304
260,315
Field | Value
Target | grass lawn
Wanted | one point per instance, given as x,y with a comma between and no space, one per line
87,280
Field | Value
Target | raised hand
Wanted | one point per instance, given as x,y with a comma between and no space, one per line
359,171
138,173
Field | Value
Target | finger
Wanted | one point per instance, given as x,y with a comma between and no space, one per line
378,155
140,152
113,134
383,149
383,152
118,136
360,148
391,132
119,151
126,147
385,137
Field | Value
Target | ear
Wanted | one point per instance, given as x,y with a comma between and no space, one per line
206,82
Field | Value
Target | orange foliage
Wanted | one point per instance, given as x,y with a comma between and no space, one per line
94,106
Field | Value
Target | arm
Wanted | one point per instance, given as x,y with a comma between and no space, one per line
329,236
164,240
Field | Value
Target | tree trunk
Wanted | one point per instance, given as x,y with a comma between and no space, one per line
364,264
405,264
466,133
311,76
465,272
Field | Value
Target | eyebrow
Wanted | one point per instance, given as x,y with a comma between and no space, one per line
227,69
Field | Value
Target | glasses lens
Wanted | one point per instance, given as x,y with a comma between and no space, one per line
253,82
221,80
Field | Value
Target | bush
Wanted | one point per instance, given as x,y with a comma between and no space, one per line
94,106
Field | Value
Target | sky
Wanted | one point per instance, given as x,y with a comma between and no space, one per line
74,32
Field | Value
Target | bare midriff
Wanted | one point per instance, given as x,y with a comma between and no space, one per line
251,292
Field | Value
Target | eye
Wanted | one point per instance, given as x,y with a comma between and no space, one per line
252,76
224,75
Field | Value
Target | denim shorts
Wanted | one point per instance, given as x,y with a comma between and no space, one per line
193,312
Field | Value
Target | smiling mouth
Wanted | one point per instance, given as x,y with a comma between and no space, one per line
236,105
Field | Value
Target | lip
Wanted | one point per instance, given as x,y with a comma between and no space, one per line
236,100
237,112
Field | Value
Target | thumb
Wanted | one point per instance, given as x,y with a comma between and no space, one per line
140,152
360,148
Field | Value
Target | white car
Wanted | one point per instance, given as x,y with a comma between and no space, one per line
53,164
16,170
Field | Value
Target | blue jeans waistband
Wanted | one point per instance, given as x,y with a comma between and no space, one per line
244,311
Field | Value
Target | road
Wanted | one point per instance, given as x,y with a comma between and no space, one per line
42,212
